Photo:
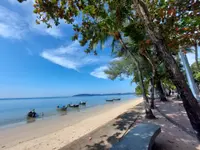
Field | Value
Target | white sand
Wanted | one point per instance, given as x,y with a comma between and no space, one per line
48,134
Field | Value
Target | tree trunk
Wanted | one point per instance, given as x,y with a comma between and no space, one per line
160,91
152,93
148,112
170,91
151,62
189,102
196,55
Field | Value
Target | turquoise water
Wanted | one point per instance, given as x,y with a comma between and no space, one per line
14,110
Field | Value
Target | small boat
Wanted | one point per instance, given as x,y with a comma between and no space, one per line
63,108
117,99
32,114
82,103
73,105
109,100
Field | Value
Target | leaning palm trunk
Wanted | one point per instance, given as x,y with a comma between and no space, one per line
148,112
189,101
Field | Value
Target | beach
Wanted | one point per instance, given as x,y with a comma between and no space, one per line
57,132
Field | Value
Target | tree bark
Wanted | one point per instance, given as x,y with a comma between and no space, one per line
152,93
160,91
151,62
189,102
148,112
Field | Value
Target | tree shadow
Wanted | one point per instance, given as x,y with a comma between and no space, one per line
175,113
102,144
121,124
104,137
170,138
127,119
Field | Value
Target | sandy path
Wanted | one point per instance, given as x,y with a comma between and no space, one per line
70,133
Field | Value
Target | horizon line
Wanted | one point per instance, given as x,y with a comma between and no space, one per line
45,97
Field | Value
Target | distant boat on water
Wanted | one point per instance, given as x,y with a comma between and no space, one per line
82,103
114,99
117,99
73,105
62,108
109,100
32,114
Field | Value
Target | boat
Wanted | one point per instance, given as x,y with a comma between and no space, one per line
32,114
117,99
73,105
114,99
109,100
63,108
82,103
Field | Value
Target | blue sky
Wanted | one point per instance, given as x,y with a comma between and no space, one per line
36,61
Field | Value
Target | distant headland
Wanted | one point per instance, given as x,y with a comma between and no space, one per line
102,94
77,95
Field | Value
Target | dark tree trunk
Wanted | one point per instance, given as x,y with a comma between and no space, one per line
148,112
170,91
160,91
152,93
189,102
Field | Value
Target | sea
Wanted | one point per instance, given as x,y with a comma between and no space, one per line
14,111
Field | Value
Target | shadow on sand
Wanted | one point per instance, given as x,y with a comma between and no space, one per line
171,137
104,137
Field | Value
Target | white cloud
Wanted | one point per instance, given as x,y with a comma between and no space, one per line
15,26
42,28
99,72
72,56
11,24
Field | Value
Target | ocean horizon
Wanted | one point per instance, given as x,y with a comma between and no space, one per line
76,95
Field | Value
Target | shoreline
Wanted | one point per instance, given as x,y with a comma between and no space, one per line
13,113
58,132
55,115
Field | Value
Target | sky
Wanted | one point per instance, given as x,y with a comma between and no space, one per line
36,61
